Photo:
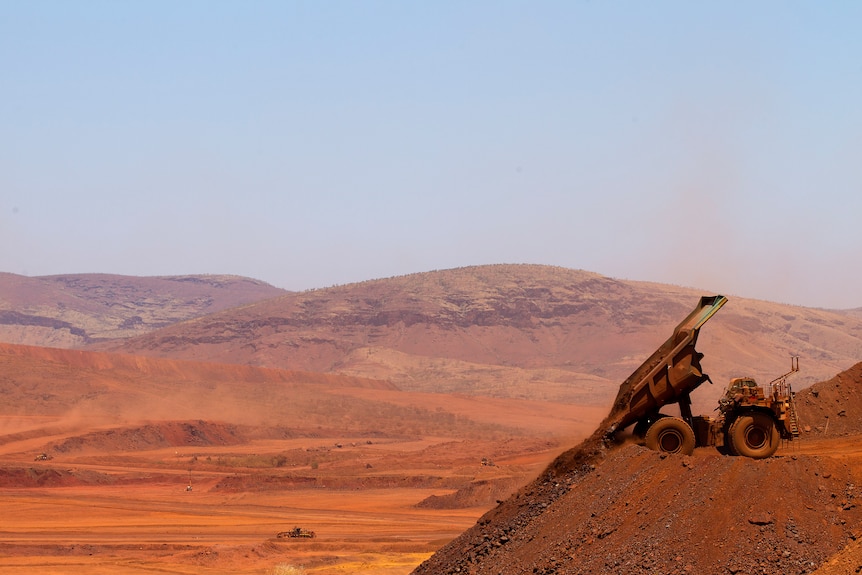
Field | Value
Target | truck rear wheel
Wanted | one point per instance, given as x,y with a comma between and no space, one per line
754,435
670,435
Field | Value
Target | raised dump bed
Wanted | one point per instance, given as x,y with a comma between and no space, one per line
752,419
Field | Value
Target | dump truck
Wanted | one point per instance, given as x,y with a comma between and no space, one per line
752,420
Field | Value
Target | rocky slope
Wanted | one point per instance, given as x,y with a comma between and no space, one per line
639,512
830,408
623,509
73,310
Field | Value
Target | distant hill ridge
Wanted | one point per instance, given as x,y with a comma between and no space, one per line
528,331
519,330
76,309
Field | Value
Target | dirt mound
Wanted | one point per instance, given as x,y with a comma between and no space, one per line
643,512
47,476
36,477
603,508
263,482
241,483
834,407
152,436
477,494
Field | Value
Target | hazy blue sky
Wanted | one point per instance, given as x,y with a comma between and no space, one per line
716,145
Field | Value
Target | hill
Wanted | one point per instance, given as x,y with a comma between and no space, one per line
526,331
76,309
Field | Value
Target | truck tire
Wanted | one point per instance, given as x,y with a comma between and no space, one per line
643,425
754,435
728,448
670,435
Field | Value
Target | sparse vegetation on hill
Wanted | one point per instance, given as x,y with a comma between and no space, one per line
523,331
76,309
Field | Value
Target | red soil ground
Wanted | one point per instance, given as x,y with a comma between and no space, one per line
126,510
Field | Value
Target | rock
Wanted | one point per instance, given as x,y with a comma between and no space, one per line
761,519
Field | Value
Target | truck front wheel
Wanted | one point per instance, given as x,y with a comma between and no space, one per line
754,435
671,435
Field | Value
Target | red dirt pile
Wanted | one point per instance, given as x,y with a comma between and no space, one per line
831,408
641,512
47,476
152,436
602,509
481,492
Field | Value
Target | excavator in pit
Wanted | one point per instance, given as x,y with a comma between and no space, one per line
752,420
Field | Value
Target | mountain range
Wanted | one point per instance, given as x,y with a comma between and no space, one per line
74,310
509,331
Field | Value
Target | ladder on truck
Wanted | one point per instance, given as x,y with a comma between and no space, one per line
780,388
793,419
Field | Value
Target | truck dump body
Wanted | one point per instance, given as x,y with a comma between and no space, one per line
669,374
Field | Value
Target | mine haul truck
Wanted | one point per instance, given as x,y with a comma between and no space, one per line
751,421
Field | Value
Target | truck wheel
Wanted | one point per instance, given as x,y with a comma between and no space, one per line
728,448
754,435
670,435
